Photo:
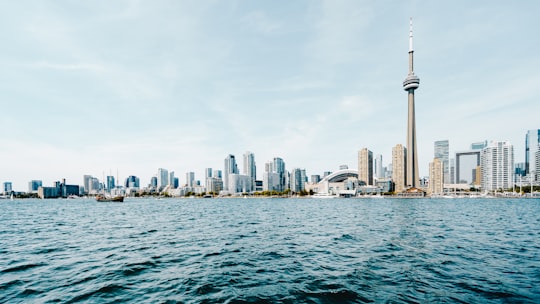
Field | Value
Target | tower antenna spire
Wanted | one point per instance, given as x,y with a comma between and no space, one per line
410,35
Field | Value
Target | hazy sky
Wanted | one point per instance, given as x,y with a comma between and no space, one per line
93,87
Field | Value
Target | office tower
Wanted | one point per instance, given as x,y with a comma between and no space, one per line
154,182
249,167
441,151
110,183
94,185
8,187
537,158
190,178
365,167
532,140
162,178
34,185
399,165
230,167
86,183
171,179
497,165
410,84
207,173
132,182
279,168
378,170
466,163
298,178
315,178
436,176
452,170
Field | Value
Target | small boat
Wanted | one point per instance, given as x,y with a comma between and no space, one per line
103,198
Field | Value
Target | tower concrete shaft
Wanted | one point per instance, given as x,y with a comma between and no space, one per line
410,84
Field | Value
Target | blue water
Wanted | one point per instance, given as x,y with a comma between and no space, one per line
270,251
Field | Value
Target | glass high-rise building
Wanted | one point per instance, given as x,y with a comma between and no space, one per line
190,178
441,151
250,168
110,183
162,178
230,167
279,168
378,167
34,185
532,140
132,182
298,179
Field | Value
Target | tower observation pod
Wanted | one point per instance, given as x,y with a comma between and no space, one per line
411,83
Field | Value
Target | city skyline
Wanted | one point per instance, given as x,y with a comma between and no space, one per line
129,87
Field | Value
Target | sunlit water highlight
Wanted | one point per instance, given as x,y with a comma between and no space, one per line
270,251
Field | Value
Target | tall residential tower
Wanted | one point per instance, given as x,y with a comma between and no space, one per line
410,84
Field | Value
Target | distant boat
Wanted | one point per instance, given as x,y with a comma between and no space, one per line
103,198
11,196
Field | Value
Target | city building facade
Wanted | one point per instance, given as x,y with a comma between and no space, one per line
230,167
497,165
532,142
399,160
298,180
250,169
442,152
365,167
436,176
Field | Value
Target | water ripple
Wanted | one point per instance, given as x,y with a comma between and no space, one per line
270,251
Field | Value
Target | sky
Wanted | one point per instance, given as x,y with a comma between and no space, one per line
126,87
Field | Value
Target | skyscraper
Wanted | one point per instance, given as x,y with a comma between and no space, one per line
279,168
8,187
378,170
497,165
365,166
441,151
249,167
399,163
410,84
86,183
436,176
171,179
110,183
34,185
532,140
190,178
230,167
298,180
207,173
162,178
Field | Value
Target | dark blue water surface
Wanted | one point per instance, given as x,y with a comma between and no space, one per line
270,251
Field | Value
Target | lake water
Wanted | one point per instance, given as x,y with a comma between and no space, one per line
270,251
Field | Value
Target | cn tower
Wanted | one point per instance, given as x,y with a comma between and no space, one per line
410,84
